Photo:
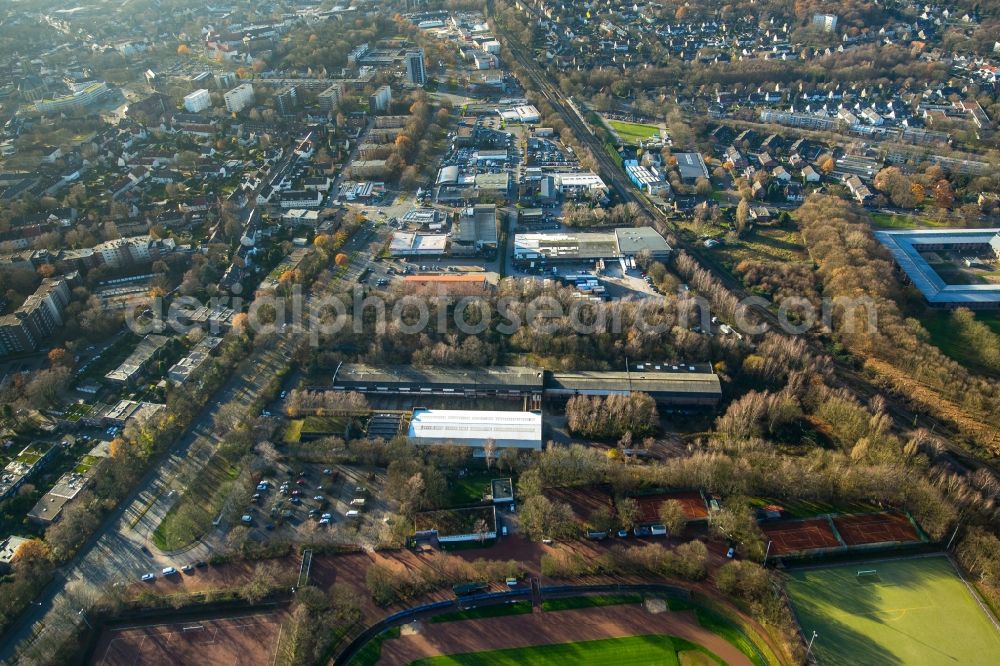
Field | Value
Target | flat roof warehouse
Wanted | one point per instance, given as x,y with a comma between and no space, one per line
622,242
694,385
519,430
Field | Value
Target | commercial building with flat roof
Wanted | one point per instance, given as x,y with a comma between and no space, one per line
477,230
474,428
623,242
672,384
410,244
906,246
691,166
499,381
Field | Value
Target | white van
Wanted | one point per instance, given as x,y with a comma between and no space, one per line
658,530
353,514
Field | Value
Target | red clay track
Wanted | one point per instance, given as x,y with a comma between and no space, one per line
567,626
799,535
875,528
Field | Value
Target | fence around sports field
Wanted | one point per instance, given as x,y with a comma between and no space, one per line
837,535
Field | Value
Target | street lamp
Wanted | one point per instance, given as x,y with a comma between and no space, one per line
809,649
85,620
767,552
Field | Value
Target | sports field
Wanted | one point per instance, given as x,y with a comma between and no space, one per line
634,132
914,611
635,650
618,634
799,535
249,640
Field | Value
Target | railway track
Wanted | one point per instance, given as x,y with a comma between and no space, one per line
905,415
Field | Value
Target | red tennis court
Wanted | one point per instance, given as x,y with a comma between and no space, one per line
649,506
799,535
860,529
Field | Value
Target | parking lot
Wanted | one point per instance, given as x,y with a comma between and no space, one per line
309,502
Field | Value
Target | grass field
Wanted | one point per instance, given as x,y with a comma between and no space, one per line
891,221
915,612
370,654
634,132
570,603
634,650
470,489
724,627
496,610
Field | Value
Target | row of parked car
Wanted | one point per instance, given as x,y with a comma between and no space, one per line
172,571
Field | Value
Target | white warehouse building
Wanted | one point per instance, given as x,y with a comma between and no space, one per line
473,428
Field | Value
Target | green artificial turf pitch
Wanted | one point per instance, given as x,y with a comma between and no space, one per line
634,132
631,651
915,611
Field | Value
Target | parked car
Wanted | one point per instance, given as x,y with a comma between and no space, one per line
146,578
169,571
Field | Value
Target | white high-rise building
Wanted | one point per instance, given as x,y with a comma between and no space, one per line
415,72
239,98
330,98
825,22
197,101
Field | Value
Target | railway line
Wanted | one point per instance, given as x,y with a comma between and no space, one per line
905,415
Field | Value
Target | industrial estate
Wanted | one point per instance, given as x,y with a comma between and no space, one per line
499,332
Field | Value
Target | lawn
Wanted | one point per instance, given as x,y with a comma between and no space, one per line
635,650
590,602
496,610
914,612
470,489
294,431
323,425
724,627
634,132
891,221
371,653
203,500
